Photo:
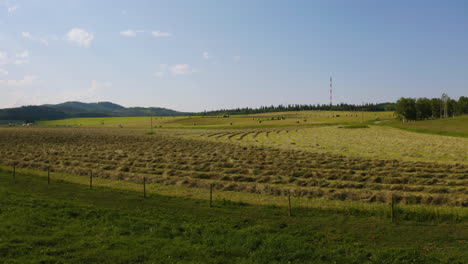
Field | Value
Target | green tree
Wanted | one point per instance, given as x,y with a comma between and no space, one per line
436,107
406,109
423,108
462,105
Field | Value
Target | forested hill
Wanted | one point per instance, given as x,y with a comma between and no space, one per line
78,109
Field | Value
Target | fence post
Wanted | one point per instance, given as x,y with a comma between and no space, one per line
91,180
48,175
392,211
211,195
144,187
289,203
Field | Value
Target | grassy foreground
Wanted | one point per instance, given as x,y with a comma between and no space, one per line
68,223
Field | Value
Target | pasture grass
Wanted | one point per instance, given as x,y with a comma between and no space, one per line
66,222
279,119
421,213
453,126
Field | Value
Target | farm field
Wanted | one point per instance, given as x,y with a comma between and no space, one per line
377,142
64,222
173,159
453,126
301,118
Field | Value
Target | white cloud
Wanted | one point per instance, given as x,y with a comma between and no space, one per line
181,69
161,34
131,32
205,55
12,9
3,72
128,33
30,37
19,59
22,58
26,35
236,58
80,37
26,81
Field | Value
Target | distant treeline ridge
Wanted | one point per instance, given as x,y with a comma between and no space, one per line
302,107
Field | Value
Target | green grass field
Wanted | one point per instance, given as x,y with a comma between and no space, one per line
69,223
447,127
454,126
301,118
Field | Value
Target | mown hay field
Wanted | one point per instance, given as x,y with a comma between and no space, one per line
171,158
301,118
376,142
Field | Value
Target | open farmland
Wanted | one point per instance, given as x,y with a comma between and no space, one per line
377,142
278,119
171,158
453,126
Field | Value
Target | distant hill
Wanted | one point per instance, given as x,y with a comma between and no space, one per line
79,109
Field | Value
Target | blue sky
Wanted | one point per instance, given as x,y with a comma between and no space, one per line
203,55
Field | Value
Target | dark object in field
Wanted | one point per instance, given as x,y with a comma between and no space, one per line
211,195
355,126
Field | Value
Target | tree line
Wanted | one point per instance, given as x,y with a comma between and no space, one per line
302,107
425,108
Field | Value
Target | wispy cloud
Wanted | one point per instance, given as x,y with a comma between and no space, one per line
84,94
159,34
161,72
236,58
205,55
23,55
29,36
26,81
80,37
128,33
176,69
3,72
22,58
181,69
131,32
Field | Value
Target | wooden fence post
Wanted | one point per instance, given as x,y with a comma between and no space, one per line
91,180
144,187
392,211
289,203
211,195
